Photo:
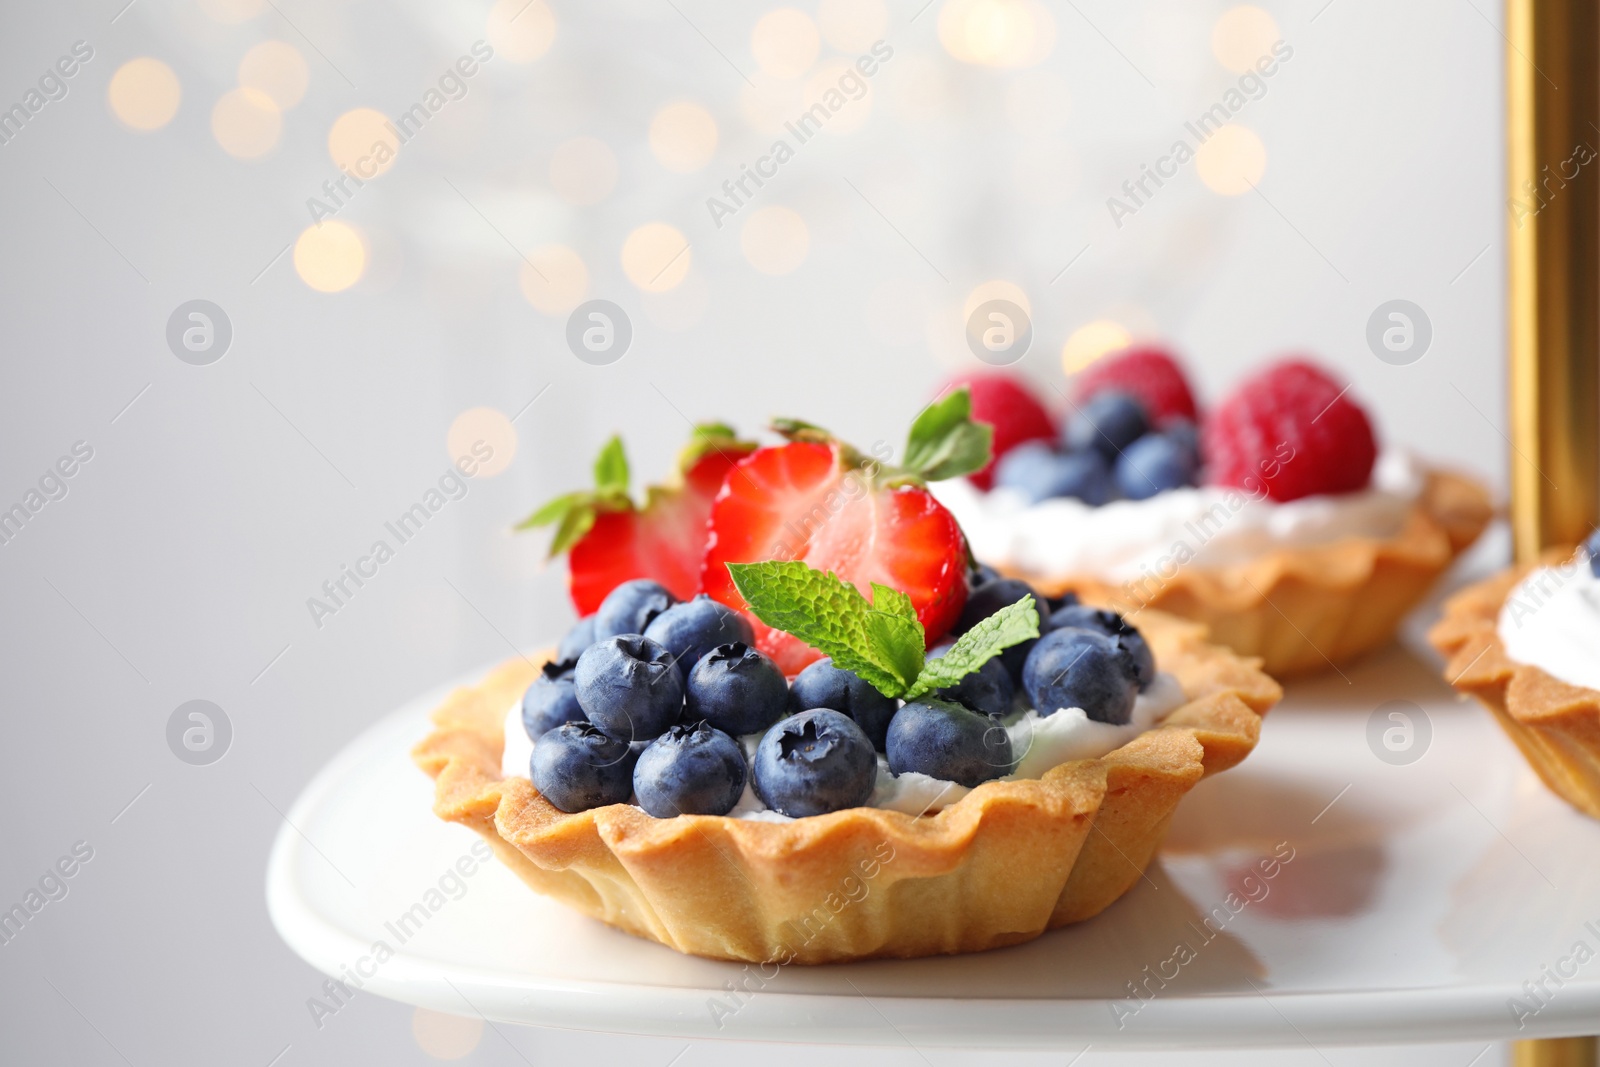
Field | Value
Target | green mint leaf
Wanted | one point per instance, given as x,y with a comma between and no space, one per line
553,511
944,441
892,601
1009,626
611,469
882,646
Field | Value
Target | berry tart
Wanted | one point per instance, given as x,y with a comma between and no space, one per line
1273,519
1526,643
841,740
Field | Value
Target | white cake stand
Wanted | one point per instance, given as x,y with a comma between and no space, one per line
1446,899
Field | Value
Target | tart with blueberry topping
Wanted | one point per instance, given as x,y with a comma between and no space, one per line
1526,644
844,698
1273,518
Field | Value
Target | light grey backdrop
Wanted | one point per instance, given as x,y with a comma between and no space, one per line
218,498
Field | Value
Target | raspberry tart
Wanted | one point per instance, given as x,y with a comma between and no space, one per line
1526,643
1274,518
844,741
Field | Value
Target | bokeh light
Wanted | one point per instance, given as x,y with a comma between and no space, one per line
278,69
583,170
1242,36
230,12
775,240
785,42
362,142
1231,161
554,279
853,25
997,33
839,87
330,256
144,94
246,123
767,103
683,136
521,30
656,257
445,1037
997,289
1091,341
486,437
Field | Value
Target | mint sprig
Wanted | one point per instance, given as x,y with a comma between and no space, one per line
879,640
944,441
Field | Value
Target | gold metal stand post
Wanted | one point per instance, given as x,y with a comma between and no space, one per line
1553,171
1553,157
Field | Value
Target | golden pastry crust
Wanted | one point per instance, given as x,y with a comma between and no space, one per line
1000,866
1556,725
1305,609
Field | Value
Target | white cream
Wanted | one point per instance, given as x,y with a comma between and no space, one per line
1039,743
1551,621
1130,539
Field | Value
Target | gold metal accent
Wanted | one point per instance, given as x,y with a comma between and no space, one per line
1553,171
1554,1052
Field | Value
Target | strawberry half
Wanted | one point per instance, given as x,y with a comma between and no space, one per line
820,501
610,540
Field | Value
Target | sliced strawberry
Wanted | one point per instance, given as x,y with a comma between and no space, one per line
611,540
818,501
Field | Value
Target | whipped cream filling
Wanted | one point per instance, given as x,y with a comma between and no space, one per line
1210,525
1551,621
1039,743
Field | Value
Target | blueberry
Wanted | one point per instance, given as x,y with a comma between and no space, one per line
1040,473
551,700
1154,464
1185,435
948,742
631,607
988,599
1108,422
1073,668
693,628
1084,476
577,767
1112,625
822,685
628,687
981,573
1028,468
1592,546
813,763
737,690
578,639
987,690
1055,603
692,769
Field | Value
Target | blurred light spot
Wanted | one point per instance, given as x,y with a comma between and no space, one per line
840,89
768,103
362,142
1242,36
998,289
775,240
1038,101
246,123
557,280
232,11
583,170
683,136
785,42
144,93
1231,160
680,308
486,437
330,256
997,33
1091,341
278,69
853,25
521,30
656,257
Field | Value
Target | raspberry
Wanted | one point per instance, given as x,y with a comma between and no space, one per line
1004,402
1292,431
1151,374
